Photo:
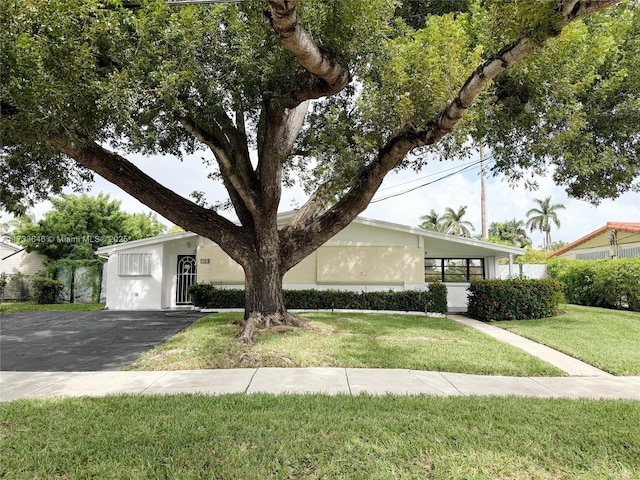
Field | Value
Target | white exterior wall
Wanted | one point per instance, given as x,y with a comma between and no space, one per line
357,234
382,257
136,292
457,297
528,270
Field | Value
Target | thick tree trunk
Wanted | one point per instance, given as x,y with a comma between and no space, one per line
264,299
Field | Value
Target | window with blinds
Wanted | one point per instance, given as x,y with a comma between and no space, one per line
134,264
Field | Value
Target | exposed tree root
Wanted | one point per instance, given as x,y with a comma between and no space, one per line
277,321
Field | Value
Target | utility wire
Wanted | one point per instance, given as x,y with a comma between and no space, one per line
467,167
431,175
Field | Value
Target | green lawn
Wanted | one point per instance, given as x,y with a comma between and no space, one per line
14,307
346,340
316,436
607,339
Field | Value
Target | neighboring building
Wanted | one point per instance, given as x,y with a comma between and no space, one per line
15,259
154,273
614,240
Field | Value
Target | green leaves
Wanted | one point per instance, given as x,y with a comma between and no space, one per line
78,225
423,70
574,106
119,76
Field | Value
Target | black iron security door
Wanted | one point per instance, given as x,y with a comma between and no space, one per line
186,276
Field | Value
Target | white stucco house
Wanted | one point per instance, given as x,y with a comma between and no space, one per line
368,255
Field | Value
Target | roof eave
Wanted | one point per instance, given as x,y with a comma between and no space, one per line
108,250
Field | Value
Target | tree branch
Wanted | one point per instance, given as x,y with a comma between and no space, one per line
281,129
312,222
232,156
329,75
119,171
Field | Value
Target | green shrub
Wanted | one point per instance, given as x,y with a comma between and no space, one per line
613,283
512,299
3,283
618,282
20,287
209,296
437,298
46,290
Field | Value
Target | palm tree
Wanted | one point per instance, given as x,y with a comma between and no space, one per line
456,225
433,221
542,217
512,231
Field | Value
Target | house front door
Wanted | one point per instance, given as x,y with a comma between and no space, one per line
186,276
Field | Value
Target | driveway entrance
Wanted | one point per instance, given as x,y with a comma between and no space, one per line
83,341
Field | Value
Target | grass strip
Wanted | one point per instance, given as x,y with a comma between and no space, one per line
317,436
16,307
607,339
346,340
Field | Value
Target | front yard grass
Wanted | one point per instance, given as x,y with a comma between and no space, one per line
354,340
15,307
315,436
607,339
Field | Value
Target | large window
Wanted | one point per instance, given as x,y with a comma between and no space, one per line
453,269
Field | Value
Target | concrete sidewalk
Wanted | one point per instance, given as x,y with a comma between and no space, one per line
333,381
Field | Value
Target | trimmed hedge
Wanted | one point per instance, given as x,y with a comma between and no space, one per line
513,299
611,283
435,300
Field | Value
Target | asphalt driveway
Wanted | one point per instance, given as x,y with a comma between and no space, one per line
83,341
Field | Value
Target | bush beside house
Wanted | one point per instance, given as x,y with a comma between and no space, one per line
513,299
434,300
18,287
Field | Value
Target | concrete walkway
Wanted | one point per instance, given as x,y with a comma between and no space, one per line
566,363
585,381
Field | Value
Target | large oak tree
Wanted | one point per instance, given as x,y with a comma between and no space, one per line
333,93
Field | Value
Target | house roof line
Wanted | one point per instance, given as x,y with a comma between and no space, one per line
441,236
14,253
143,242
10,245
632,227
504,249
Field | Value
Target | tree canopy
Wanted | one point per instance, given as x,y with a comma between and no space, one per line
78,225
510,232
333,94
450,222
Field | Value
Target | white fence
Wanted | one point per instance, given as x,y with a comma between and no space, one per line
525,270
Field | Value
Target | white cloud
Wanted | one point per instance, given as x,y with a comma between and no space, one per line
503,203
